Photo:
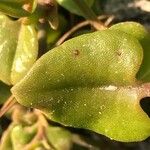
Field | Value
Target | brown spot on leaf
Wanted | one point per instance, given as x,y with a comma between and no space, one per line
76,52
119,53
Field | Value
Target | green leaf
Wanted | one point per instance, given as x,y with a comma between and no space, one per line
60,138
21,136
4,92
71,6
17,136
6,143
18,8
138,31
18,49
90,82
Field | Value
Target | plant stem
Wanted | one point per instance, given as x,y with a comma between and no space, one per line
78,26
89,15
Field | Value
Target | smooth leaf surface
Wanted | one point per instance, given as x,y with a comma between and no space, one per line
18,49
71,6
4,92
18,8
138,31
60,138
90,82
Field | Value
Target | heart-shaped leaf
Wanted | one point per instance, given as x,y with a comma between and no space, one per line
90,82
18,8
138,31
18,49
71,6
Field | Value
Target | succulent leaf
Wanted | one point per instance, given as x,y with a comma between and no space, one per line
60,138
139,32
20,137
6,143
18,49
90,82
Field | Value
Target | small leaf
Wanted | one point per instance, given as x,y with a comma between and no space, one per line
17,136
71,6
26,53
139,32
18,8
20,136
90,82
60,138
6,143
18,49
4,92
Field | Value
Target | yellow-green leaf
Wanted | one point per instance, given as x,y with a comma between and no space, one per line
6,143
20,136
90,82
18,49
60,138
139,32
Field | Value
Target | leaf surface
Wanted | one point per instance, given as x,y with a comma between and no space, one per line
20,136
71,6
6,143
139,32
90,82
60,138
18,49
